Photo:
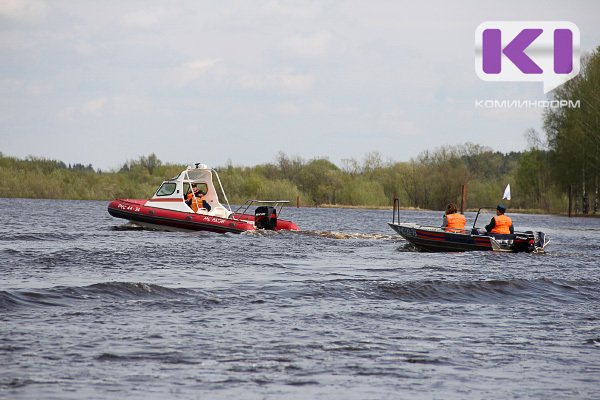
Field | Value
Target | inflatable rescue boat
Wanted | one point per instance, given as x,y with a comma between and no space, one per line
190,202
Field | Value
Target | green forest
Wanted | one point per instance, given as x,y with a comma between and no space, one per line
565,158
429,181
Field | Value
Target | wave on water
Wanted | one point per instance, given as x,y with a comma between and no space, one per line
594,342
488,290
325,234
261,232
172,357
62,296
483,291
349,235
130,226
131,290
264,232
36,236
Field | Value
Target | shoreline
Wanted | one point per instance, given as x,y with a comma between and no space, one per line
363,207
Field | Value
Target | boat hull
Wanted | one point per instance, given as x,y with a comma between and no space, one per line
135,211
438,240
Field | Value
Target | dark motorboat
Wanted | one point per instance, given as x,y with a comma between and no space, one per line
430,238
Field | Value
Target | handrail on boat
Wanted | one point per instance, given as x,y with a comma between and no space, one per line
222,189
479,212
249,203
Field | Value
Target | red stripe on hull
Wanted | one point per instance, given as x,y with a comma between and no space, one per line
167,200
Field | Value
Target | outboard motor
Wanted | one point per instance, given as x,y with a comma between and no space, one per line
541,240
265,217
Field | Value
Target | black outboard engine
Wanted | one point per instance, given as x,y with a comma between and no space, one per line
540,241
265,217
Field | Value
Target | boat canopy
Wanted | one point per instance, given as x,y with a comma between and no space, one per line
173,193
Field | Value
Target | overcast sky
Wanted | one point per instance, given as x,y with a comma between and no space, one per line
103,82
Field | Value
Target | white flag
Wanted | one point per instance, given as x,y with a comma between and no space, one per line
506,192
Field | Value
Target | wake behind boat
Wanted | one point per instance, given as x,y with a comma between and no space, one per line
436,239
190,202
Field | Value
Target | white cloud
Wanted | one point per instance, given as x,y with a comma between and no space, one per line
23,10
301,10
94,107
33,88
200,66
193,71
121,105
396,122
283,82
287,108
84,48
126,105
381,125
91,108
308,46
295,83
143,18
38,88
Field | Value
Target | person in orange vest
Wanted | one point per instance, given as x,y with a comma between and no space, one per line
500,224
199,201
453,221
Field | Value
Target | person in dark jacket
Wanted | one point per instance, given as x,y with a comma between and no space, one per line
500,224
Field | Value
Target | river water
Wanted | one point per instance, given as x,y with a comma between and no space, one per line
344,310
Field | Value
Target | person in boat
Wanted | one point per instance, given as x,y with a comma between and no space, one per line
452,219
500,223
199,199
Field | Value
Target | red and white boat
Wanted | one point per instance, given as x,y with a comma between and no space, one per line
168,210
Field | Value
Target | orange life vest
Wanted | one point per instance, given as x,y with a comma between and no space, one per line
455,221
196,202
502,224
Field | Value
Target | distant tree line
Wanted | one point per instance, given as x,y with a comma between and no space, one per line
36,177
428,181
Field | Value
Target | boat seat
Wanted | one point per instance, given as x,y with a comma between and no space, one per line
219,211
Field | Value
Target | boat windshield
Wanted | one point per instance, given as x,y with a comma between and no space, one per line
166,189
201,185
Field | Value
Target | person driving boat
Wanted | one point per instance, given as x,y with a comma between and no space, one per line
195,199
500,224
